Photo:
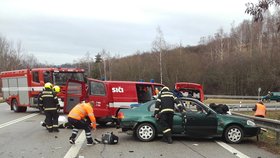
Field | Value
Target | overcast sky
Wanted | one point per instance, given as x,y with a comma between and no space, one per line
60,31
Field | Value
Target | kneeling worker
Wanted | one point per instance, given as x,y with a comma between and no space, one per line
260,109
76,118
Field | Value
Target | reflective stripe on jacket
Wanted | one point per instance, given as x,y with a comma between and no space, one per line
165,102
260,110
48,100
81,111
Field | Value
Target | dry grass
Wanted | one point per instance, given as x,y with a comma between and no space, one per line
267,140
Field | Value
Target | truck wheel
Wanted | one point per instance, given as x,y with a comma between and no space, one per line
145,132
15,106
233,134
23,109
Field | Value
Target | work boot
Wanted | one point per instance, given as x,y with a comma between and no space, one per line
169,140
72,140
50,130
55,129
90,142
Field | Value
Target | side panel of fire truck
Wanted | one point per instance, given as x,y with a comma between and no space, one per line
15,90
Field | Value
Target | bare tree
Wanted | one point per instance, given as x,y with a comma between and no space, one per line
257,10
159,45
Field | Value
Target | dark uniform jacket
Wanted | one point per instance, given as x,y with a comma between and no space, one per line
48,100
165,102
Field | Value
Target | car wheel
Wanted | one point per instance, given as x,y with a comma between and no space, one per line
145,132
233,134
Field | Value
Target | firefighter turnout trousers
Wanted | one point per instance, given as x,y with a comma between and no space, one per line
51,120
166,123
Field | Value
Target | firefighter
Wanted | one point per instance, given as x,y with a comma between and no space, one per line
49,102
56,89
77,118
260,109
164,111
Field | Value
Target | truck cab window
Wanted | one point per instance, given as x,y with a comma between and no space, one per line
144,93
47,77
35,76
97,88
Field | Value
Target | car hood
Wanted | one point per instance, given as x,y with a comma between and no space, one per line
232,118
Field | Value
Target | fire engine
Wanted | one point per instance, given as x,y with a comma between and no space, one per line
20,88
109,96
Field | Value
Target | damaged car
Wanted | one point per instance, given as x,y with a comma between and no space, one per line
198,121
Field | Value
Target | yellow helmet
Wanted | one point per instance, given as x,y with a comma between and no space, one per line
165,88
48,85
56,89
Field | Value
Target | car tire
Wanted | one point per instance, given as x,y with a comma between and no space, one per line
233,134
145,132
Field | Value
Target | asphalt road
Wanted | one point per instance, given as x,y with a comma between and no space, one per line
22,136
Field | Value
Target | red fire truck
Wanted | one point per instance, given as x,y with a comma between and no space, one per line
109,96
20,88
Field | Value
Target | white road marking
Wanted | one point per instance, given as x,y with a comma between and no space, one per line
232,150
17,120
75,148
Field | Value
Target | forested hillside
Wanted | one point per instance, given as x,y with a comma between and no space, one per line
233,63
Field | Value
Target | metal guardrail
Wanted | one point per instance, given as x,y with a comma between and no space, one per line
270,124
248,107
232,96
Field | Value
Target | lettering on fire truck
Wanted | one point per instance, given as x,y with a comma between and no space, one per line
117,90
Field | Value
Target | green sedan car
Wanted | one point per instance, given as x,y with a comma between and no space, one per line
198,121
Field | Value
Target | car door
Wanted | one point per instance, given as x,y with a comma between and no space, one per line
199,122
177,123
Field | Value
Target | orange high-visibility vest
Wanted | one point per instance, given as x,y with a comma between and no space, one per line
261,109
82,110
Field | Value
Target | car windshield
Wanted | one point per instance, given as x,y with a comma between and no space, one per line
60,78
194,106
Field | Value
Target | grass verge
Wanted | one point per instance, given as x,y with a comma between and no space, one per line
267,140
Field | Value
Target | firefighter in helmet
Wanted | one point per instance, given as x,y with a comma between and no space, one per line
164,111
56,89
49,102
77,118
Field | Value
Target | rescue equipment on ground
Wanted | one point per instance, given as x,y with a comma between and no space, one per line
109,138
